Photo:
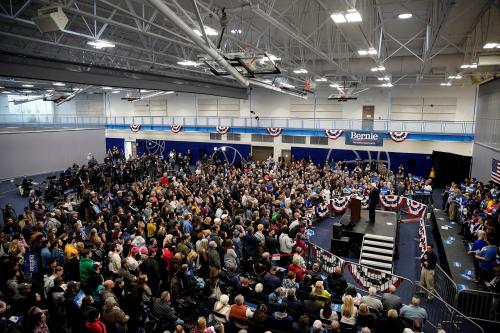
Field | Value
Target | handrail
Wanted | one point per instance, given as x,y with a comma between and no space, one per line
163,122
451,319
479,304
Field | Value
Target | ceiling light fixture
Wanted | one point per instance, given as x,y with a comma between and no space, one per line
58,84
379,68
380,78
338,18
187,62
491,45
445,84
455,77
27,86
335,85
107,88
208,31
387,84
27,91
100,44
74,89
116,92
404,16
287,85
370,51
236,31
6,92
321,79
352,15
300,71
268,81
386,78
50,90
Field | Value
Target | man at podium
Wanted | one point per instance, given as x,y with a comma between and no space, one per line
373,200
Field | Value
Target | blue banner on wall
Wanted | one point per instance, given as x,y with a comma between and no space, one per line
363,138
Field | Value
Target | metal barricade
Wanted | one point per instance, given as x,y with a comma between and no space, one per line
479,305
444,286
441,314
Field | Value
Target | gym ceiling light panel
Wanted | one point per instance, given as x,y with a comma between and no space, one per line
387,84
445,84
300,71
473,65
405,16
321,79
100,44
208,31
376,69
351,16
188,63
370,51
27,86
236,31
455,77
58,84
491,45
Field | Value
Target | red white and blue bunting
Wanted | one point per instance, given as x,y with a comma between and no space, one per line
415,208
391,201
135,127
333,134
222,130
367,277
274,131
339,204
175,128
398,136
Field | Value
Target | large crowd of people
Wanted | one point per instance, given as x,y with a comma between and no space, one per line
476,207
153,244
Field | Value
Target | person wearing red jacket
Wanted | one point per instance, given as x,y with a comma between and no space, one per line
94,323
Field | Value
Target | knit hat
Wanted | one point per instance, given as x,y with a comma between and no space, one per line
134,250
143,250
317,325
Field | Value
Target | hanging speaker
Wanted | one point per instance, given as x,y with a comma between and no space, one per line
50,19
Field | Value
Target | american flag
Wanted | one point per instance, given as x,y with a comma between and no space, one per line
495,171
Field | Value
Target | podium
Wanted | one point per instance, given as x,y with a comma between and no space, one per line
355,206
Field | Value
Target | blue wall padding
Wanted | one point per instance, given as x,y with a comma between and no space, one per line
416,164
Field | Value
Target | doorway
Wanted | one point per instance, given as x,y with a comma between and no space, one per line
286,155
260,153
368,115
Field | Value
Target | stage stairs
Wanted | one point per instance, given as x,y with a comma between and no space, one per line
377,252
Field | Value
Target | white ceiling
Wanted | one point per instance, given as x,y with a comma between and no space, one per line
300,32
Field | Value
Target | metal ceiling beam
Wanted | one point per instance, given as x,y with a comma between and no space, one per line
296,37
12,66
163,8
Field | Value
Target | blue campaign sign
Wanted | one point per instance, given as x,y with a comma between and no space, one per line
30,263
364,138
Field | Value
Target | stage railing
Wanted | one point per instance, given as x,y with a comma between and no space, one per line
479,305
441,314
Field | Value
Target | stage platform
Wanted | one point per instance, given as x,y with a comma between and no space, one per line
453,253
386,224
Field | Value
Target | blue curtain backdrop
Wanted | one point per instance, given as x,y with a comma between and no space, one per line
112,142
416,164
232,152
